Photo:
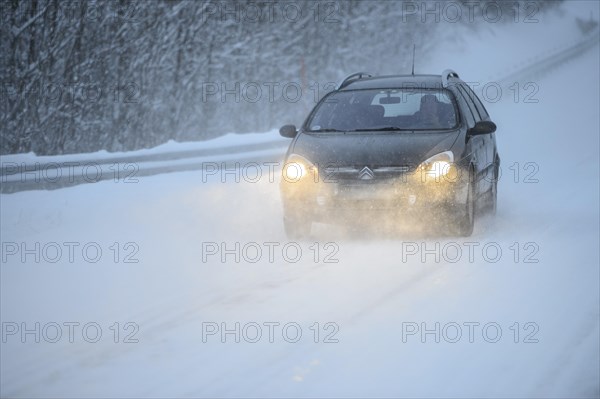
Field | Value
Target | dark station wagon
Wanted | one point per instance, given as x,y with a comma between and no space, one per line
401,143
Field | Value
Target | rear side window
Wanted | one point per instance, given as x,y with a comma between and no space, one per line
478,104
469,101
460,97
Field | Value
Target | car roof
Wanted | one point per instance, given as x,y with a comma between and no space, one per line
397,81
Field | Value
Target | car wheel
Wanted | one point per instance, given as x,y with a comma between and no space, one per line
466,212
297,226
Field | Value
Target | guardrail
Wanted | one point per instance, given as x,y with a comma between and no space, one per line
544,65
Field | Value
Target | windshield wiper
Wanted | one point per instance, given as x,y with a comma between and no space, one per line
327,130
380,129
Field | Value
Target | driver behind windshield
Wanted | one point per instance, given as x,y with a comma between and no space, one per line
428,114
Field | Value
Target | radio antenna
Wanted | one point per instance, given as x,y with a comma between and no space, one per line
413,65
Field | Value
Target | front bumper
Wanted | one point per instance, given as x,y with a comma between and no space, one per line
322,200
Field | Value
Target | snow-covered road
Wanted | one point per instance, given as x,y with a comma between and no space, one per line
184,284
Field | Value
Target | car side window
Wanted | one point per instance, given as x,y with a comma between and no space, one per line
480,107
471,104
470,118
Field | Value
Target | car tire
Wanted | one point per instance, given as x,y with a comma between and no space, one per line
296,226
466,212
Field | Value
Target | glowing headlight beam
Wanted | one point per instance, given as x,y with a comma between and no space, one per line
437,166
298,168
294,171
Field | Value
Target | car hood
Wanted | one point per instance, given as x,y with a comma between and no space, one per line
373,148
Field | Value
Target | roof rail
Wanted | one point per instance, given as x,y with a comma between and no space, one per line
354,76
448,73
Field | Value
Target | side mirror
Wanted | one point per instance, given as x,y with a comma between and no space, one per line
482,127
288,131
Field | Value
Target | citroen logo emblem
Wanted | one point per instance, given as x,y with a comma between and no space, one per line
366,174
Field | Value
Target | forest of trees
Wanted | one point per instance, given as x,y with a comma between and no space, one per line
81,76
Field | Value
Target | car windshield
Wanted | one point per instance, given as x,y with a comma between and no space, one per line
385,110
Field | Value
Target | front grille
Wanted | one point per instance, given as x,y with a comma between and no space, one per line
364,174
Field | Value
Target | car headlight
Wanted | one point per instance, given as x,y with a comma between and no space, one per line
298,168
438,166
